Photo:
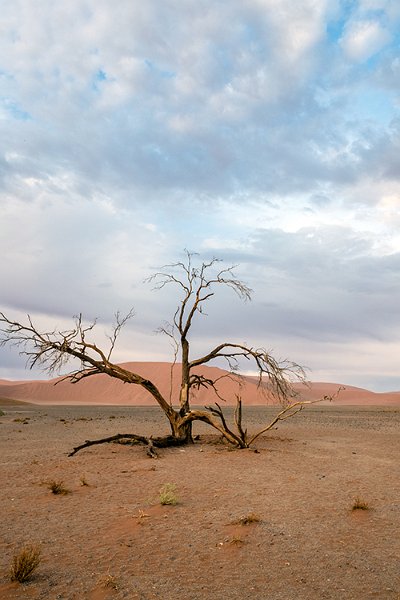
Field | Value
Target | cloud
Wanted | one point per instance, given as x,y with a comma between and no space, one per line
263,131
363,39
177,90
71,256
160,100
322,283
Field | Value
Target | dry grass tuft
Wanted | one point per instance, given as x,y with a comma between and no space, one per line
236,540
83,481
57,487
360,504
24,563
248,519
168,494
109,581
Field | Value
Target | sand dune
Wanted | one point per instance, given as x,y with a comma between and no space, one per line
103,390
352,395
12,402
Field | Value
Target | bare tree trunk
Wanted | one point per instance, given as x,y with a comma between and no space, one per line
185,429
182,432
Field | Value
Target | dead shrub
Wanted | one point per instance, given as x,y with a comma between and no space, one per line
57,487
109,581
236,540
360,504
248,519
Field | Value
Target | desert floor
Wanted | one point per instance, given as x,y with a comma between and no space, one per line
112,538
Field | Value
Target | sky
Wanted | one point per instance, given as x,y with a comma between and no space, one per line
261,132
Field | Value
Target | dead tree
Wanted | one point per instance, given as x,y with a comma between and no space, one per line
196,285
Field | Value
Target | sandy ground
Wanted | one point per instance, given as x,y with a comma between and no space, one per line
112,539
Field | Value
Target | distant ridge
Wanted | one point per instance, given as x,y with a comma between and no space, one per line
105,390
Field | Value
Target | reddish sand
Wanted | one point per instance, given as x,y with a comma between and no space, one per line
112,540
103,390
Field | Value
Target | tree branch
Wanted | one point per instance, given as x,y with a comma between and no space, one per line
53,350
197,287
280,374
150,442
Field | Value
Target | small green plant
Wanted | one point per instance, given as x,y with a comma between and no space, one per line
168,494
248,519
24,563
360,504
2,413
57,487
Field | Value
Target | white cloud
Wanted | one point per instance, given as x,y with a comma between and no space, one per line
363,39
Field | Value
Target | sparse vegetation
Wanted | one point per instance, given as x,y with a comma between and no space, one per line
57,487
24,563
1,413
360,504
236,540
248,519
84,481
168,494
109,581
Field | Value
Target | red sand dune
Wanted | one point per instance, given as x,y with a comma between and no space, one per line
104,390
352,395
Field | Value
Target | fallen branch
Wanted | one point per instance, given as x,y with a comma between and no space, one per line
151,443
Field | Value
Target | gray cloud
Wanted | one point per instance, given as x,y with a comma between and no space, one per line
326,283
